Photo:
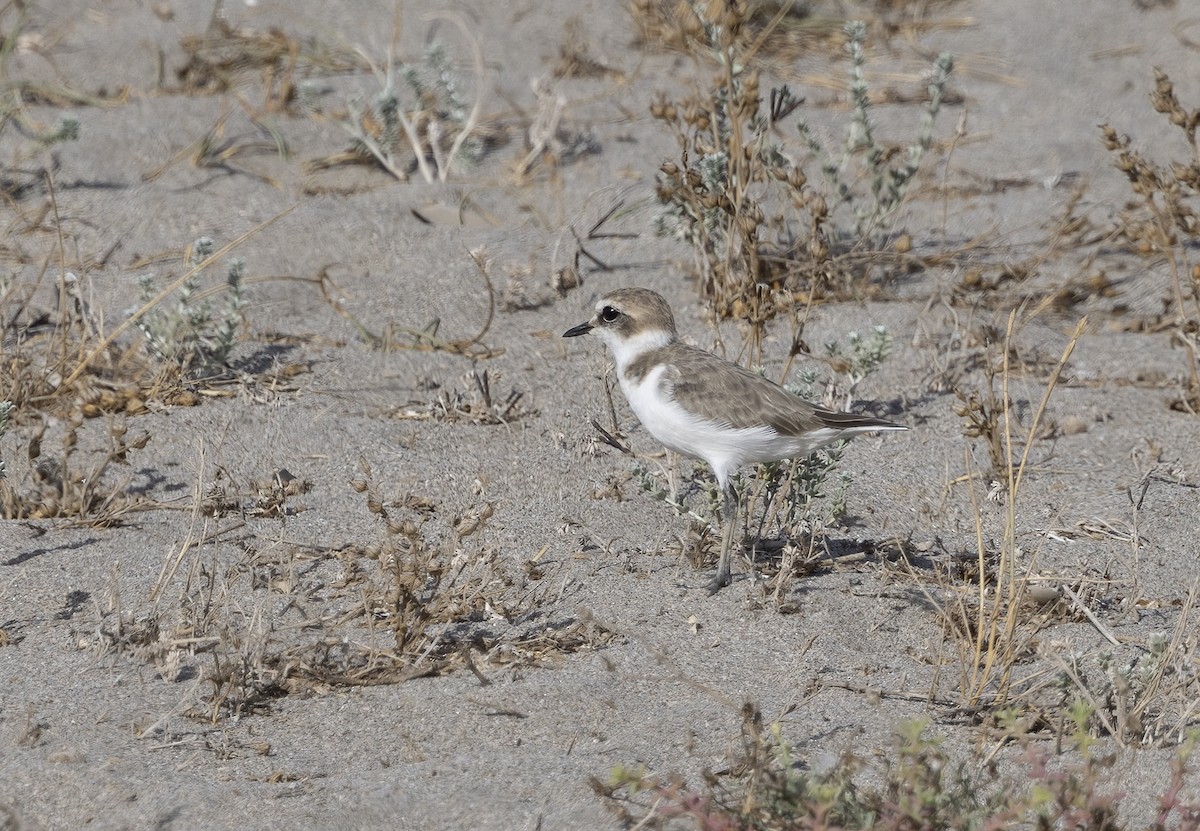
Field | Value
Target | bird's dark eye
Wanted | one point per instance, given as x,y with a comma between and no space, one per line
609,314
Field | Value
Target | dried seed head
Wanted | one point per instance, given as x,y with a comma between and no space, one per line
1164,101
1186,174
818,208
1111,140
747,104
664,110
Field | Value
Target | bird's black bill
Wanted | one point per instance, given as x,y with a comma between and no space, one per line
576,331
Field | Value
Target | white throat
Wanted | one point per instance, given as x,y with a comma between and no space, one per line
626,350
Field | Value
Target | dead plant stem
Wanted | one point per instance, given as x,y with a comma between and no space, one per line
993,650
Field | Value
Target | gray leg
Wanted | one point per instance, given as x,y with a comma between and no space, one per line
729,511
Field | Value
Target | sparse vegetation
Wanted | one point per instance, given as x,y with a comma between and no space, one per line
474,406
920,786
1147,696
855,362
1037,609
1162,222
991,622
888,183
426,337
186,333
762,230
64,485
429,595
427,124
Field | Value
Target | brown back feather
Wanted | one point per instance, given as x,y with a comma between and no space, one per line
745,398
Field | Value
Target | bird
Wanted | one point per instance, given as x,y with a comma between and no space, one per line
705,407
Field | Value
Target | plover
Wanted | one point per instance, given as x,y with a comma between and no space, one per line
706,407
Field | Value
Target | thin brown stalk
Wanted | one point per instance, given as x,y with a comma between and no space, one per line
996,622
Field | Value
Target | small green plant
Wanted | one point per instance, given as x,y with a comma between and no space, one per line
889,184
434,122
920,787
857,360
1145,696
793,489
760,229
794,501
707,514
791,493
186,334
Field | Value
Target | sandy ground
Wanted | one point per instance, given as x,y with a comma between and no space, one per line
95,737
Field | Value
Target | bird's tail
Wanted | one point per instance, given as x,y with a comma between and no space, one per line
854,423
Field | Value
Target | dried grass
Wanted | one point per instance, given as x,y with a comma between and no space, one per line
285,619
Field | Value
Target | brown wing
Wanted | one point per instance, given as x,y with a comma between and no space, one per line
746,399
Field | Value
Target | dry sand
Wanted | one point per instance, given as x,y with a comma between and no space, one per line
98,738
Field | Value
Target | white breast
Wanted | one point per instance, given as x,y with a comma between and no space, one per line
723,447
